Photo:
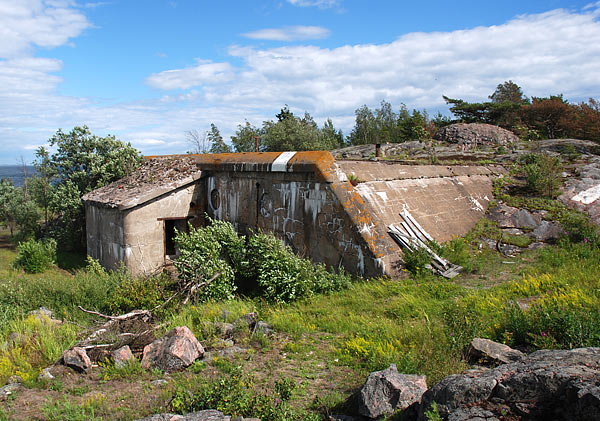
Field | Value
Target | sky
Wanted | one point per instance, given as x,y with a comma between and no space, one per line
147,71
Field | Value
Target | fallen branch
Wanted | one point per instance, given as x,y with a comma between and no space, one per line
122,317
199,285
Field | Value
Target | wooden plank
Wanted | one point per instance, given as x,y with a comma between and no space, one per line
414,229
419,227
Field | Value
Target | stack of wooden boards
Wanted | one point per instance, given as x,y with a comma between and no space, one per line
410,235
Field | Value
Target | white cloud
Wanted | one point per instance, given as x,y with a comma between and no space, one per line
545,53
27,23
203,72
548,53
28,75
323,4
289,33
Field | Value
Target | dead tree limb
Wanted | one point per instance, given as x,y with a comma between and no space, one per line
122,317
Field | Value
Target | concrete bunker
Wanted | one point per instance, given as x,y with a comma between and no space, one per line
304,198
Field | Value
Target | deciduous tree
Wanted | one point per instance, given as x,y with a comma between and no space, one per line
82,162
245,136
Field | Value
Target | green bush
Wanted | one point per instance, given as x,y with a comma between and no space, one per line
416,260
265,263
282,276
202,257
543,174
140,293
36,256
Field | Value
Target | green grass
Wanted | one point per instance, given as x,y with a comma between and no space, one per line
422,324
65,410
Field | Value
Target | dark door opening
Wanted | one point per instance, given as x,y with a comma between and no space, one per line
170,225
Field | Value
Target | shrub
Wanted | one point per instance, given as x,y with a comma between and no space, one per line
233,245
282,276
36,256
578,226
543,174
201,258
416,260
265,262
140,293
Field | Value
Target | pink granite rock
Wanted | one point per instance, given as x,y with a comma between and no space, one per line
77,359
122,356
175,351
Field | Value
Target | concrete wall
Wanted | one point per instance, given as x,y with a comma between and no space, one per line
105,235
136,236
306,201
298,208
444,207
447,201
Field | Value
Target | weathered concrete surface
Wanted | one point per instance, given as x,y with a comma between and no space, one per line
447,201
302,197
156,177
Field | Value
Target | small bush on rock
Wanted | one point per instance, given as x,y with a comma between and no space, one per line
542,173
36,256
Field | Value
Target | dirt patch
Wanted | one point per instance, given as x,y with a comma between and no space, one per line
309,362
115,399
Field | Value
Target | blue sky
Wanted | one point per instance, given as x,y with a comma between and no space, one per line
148,71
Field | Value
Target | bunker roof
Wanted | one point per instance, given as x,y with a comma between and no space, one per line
153,178
162,174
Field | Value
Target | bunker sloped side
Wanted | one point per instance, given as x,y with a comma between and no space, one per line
444,206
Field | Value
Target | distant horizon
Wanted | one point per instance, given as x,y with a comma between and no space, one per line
15,173
147,74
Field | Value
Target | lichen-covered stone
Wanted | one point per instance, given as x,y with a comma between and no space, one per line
175,351
484,349
387,390
122,356
77,359
547,384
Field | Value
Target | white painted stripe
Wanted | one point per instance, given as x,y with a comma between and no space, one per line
280,164
588,196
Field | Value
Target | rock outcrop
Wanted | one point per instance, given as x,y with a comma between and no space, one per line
476,134
122,356
387,390
519,221
582,192
206,415
547,384
175,351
